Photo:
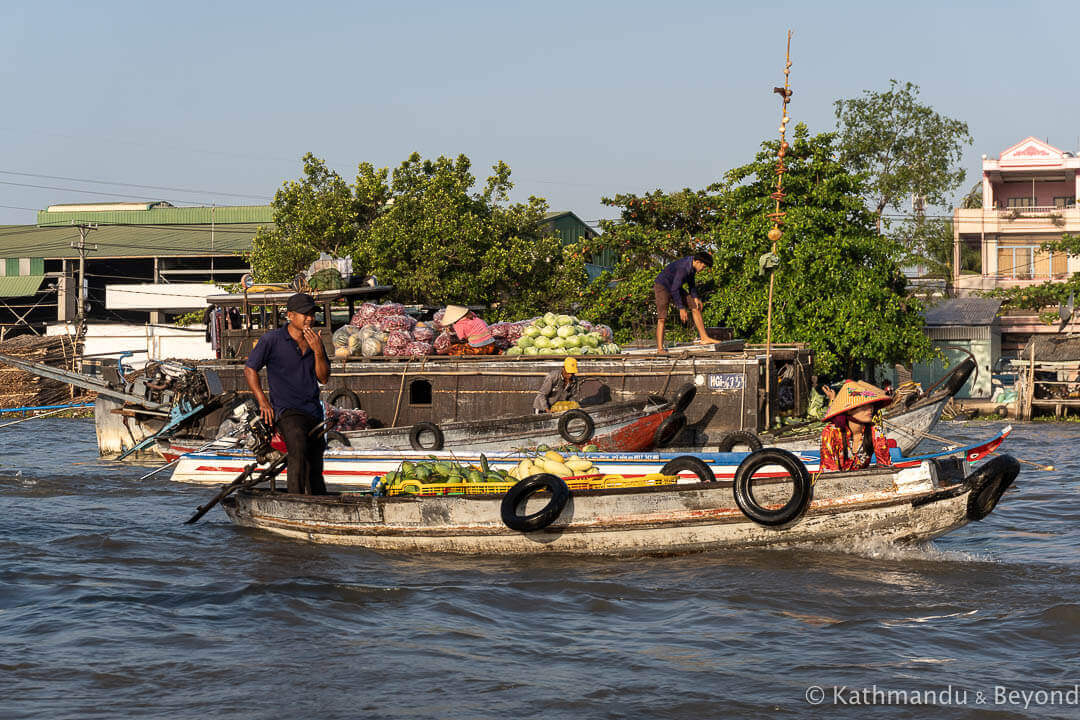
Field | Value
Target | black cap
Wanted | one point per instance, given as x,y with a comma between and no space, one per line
301,303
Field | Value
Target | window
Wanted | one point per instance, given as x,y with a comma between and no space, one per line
1021,202
420,392
1022,260
1064,202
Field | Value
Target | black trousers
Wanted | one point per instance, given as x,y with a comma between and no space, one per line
305,459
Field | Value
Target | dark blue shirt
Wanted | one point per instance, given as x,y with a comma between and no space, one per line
289,372
675,275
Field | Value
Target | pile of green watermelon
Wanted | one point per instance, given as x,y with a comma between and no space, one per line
554,334
410,476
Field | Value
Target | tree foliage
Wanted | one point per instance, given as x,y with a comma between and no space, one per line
426,230
904,147
319,213
838,287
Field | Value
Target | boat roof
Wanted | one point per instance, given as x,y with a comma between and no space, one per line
271,297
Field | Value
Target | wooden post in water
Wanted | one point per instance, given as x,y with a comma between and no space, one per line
777,216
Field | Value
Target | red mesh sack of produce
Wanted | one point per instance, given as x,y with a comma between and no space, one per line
365,315
423,333
417,349
499,329
443,342
389,309
515,330
396,340
605,332
402,323
436,319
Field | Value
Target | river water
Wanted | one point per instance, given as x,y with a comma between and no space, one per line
110,607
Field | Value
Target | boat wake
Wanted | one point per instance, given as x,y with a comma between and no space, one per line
878,549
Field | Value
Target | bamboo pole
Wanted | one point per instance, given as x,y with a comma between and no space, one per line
777,216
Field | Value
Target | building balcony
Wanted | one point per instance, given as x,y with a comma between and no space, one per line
1017,220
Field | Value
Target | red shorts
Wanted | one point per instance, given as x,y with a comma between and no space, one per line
663,299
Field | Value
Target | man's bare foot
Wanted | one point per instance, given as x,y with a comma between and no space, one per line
661,351
704,341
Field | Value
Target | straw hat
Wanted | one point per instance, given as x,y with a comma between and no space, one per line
854,394
454,313
570,365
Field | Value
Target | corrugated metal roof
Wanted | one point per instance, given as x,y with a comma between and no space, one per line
20,285
54,243
163,216
963,311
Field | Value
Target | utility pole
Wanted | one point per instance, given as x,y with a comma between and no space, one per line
82,247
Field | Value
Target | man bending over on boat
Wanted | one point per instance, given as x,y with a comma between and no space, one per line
850,441
560,385
295,361
668,288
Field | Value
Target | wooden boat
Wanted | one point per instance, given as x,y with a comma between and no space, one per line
360,468
612,427
906,422
891,504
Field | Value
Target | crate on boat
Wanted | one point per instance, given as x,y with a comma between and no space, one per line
579,482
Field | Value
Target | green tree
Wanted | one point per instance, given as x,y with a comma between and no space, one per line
440,241
928,244
319,213
425,230
838,287
905,147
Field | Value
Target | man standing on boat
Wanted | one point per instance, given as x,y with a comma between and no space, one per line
560,385
668,288
295,361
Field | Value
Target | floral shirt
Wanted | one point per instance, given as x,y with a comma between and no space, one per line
832,450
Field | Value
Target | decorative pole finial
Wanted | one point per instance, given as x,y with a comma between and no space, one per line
775,233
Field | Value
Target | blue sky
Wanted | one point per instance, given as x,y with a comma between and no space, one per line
581,99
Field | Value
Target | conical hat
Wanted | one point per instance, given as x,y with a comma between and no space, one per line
855,393
453,314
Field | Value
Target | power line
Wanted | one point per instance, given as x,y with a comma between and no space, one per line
133,185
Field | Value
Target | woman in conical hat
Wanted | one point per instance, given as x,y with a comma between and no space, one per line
850,440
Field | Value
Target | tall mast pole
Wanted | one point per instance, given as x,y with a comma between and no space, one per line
777,216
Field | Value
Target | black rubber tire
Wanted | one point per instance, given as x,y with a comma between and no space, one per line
729,440
353,400
1002,411
989,483
335,436
522,491
586,433
418,430
684,396
689,463
744,494
669,429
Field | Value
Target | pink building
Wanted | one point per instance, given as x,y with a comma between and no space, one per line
1029,197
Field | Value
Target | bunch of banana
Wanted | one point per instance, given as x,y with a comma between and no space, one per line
554,463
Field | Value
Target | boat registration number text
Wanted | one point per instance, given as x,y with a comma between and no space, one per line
727,381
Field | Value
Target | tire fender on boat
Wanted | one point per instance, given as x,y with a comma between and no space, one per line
516,497
333,436
353,400
417,431
684,396
586,432
988,483
729,440
669,429
689,463
744,492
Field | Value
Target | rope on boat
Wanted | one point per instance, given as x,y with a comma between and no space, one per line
44,414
